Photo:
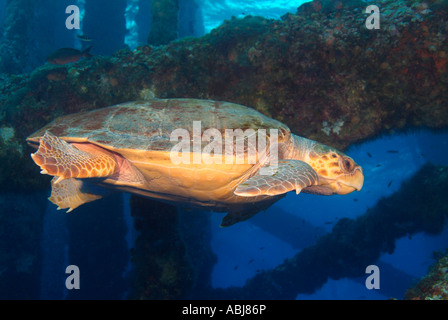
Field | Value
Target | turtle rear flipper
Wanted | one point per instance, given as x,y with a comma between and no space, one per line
59,158
69,193
289,175
242,212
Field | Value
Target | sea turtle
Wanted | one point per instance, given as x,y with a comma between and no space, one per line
188,151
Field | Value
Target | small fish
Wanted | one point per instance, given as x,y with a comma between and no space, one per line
84,38
378,165
392,151
368,153
356,199
68,55
236,267
261,248
389,184
250,261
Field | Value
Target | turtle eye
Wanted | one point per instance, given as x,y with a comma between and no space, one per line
347,164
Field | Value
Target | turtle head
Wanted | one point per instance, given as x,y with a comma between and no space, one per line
337,172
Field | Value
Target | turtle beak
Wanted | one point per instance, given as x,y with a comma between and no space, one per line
33,142
358,179
352,182
344,184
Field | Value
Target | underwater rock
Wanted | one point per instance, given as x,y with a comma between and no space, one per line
434,286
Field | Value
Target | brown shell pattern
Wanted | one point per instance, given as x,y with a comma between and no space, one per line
147,125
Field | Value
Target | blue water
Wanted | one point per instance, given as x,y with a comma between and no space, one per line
238,245
214,12
265,241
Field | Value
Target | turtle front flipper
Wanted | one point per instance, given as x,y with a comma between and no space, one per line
59,158
289,175
69,193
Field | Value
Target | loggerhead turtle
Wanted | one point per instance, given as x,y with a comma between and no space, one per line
130,147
